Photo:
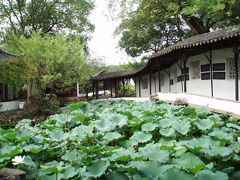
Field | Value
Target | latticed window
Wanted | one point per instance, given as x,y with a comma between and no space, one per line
218,71
181,77
195,70
230,66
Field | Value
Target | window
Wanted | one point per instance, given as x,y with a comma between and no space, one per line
181,77
218,71
195,70
144,83
171,82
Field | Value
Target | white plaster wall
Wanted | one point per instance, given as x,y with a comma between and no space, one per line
164,75
9,105
174,72
221,88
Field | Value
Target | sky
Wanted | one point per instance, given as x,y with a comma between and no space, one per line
103,43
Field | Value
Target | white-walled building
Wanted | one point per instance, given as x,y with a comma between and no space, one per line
206,64
7,101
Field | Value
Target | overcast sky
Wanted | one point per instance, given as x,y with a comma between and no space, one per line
103,43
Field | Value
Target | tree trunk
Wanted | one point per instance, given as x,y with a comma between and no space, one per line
33,89
195,24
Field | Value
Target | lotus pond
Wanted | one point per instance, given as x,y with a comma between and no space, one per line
120,140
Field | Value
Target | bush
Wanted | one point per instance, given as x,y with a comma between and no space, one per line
49,105
129,90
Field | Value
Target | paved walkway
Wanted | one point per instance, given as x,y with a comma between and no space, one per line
213,104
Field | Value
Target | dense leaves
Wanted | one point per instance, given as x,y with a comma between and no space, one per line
151,25
126,140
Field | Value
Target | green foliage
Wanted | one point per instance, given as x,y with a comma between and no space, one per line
49,105
24,17
150,25
128,89
108,139
55,62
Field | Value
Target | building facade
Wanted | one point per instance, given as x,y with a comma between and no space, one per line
206,64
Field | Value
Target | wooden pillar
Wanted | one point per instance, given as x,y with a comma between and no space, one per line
185,58
139,86
111,88
159,79
96,89
150,83
236,52
123,86
155,86
93,90
116,88
211,70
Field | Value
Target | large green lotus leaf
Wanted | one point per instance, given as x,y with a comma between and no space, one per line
149,127
231,125
104,125
97,168
23,134
140,137
73,155
122,154
81,132
202,112
167,143
54,166
209,175
218,151
112,136
38,138
204,124
114,176
196,145
189,161
69,173
61,119
221,135
9,134
153,152
181,126
168,132
57,135
165,123
153,169
33,148
118,119
28,161
76,106
139,177
176,174
9,150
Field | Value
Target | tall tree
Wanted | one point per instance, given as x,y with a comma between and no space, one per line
55,62
151,25
22,17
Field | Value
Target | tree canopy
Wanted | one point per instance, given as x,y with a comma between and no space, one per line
150,25
23,17
55,62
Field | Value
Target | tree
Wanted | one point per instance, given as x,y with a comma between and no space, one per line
150,25
55,62
22,17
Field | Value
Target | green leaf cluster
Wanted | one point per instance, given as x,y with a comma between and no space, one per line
118,139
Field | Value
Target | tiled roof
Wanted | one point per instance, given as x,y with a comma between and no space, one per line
230,33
